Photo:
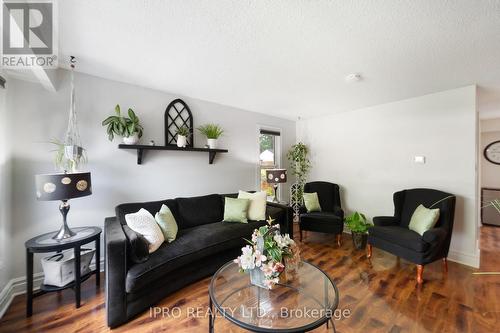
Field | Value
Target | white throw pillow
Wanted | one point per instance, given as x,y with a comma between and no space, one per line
257,208
145,224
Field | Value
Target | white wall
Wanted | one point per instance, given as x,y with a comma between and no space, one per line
116,178
490,173
4,193
370,152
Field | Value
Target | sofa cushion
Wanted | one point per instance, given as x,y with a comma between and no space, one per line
401,236
191,245
151,206
137,246
320,217
321,222
144,223
196,211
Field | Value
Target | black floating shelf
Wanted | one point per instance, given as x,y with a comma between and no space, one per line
141,148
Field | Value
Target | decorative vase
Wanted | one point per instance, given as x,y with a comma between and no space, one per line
257,278
359,240
212,143
181,141
131,140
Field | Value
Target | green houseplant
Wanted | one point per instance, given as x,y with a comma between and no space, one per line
299,165
212,132
128,128
61,160
358,225
182,135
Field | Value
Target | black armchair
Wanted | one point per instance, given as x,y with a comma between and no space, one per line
331,218
391,233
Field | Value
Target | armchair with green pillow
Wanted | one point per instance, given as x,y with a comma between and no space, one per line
420,230
322,211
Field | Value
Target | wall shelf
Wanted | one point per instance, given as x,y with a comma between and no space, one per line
141,148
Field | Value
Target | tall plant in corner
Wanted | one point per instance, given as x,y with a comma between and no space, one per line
300,166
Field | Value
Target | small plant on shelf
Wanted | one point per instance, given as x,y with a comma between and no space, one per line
128,128
358,224
182,135
212,132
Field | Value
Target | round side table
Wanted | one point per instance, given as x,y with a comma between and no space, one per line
44,243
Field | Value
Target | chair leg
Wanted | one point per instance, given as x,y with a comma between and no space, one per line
445,265
420,273
369,251
339,240
301,235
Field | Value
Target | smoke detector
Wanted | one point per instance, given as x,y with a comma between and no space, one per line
353,77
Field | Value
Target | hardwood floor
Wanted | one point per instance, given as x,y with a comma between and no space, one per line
381,294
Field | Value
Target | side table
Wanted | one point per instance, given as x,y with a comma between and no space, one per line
45,243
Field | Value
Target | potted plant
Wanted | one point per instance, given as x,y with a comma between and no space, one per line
68,162
358,225
128,128
182,134
212,132
265,255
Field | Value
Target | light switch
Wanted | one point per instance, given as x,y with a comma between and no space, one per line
419,159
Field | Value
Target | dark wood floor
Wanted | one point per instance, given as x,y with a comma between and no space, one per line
382,296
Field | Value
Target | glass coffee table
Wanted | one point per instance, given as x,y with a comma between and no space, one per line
305,299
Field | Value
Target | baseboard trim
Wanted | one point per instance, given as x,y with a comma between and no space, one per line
17,286
465,258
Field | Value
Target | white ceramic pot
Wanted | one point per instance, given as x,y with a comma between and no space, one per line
131,140
212,143
181,141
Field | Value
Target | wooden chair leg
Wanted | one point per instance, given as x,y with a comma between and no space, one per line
369,251
445,265
420,273
339,240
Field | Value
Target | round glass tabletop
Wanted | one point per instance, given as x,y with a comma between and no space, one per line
303,300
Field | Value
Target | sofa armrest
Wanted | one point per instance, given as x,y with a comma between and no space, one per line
384,221
337,210
434,235
115,252
285,220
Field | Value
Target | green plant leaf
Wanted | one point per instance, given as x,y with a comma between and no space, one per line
108,120
117,110
132,115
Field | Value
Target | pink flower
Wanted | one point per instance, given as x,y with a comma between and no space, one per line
278,267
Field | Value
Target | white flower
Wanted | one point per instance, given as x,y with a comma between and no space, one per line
283,241
247,259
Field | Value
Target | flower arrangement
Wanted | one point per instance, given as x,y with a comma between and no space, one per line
266,253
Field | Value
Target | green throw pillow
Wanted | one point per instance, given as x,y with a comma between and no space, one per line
236,210
423,219
167,223
312,202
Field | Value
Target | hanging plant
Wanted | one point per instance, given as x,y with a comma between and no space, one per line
61,160
299,162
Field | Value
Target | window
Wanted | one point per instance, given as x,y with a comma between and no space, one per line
269,157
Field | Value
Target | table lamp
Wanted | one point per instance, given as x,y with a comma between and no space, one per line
63,186
275,177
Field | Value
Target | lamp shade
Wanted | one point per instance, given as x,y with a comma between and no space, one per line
275,176
63,186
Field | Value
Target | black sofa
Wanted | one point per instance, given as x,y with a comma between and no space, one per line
331,218
204,243
391,233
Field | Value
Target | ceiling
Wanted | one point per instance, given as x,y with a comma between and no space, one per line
289,58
